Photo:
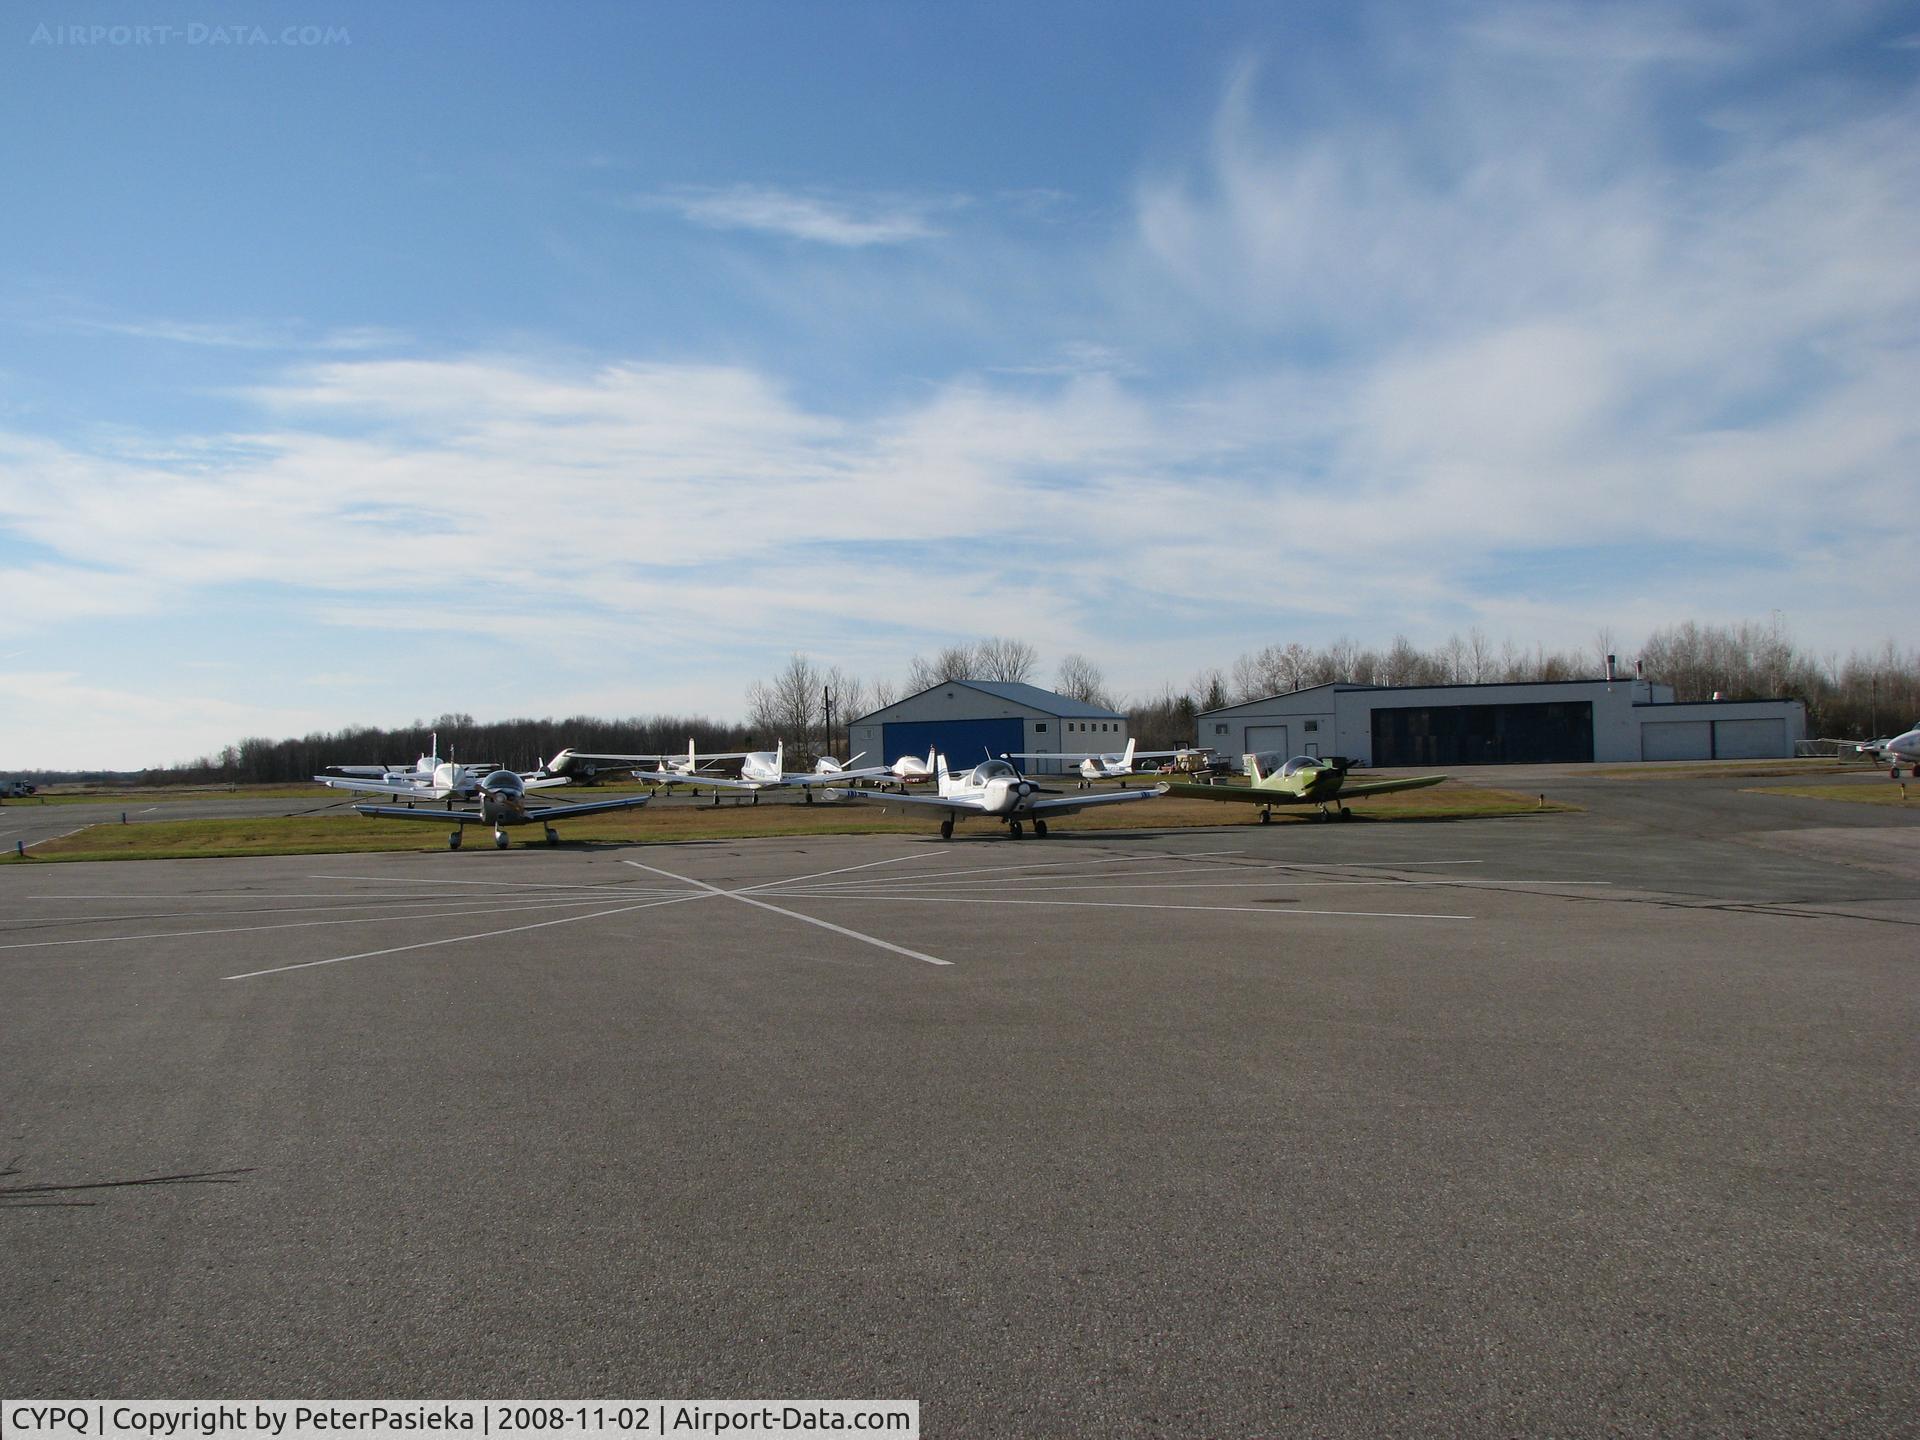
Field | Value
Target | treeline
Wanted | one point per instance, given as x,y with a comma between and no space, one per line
521,744
808,705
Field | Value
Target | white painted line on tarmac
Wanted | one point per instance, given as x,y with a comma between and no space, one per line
746,899
1127,905
292,925
459,939
945,875
844,869
487,884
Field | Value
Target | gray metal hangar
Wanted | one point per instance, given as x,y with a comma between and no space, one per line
968,720
1541,722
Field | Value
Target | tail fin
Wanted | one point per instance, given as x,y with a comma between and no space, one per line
1252,764
1126,760
939,770
780,756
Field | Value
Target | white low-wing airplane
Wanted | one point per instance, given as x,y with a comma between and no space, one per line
911,769
687,767
502,802
1095,767
994,788
767,770
431,778
1902,750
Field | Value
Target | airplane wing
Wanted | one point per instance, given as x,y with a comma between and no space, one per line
588,807
474,817
1258,795
957,804
835,777
712,782
1067,804
1248,794
407,812
1383,787
379,787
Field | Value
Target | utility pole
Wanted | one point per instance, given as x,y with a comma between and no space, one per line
826,704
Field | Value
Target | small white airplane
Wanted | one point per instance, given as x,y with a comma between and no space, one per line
1096,767
908,770
588,764
1902,750
767,770
502,801
996,789
431,778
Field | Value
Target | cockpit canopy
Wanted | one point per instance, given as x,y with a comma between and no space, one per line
993,770
1302,762
500,780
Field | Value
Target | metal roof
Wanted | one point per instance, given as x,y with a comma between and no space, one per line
1031,696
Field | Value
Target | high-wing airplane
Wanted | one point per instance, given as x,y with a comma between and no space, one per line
502,802
1303,780
1097,767
994,788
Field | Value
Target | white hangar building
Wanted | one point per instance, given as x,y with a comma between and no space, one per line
968,720
1539,722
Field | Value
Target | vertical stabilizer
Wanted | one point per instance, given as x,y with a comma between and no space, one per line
1252,766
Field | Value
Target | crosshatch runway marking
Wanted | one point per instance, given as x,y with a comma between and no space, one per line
1091,878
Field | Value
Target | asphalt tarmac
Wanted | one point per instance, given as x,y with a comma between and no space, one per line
1580,1124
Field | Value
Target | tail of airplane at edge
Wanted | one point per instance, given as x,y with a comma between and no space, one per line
1252,764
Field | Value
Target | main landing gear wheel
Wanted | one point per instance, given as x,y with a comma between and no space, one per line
553,836
499,839
946,829
1040,828
1266,817
809,796
1345,814
453,841
1014,830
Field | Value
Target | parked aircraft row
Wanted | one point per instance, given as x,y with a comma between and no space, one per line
996,789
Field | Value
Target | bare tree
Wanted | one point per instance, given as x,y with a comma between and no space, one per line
1078,678
1209,689
787,707
1005,659
951,662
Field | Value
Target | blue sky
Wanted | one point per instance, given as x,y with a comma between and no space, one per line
363,362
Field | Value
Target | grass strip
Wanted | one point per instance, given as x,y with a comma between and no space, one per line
347,833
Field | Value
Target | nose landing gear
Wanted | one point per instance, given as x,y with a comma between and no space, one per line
499,839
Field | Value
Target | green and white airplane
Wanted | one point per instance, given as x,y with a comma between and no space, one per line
1303,780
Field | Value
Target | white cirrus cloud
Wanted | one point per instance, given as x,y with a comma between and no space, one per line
838,220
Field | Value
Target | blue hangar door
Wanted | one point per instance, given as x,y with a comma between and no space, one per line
965,743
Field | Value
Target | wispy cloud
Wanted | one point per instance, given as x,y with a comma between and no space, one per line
854,222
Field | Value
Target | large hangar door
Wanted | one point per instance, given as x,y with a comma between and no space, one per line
965,743
1676,740
1750,740
1549,734
1268,740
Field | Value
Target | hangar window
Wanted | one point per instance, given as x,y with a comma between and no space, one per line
1219,729
1040,727
1312,725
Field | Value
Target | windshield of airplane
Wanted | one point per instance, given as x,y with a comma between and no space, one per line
993,770
1299,763
502,780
